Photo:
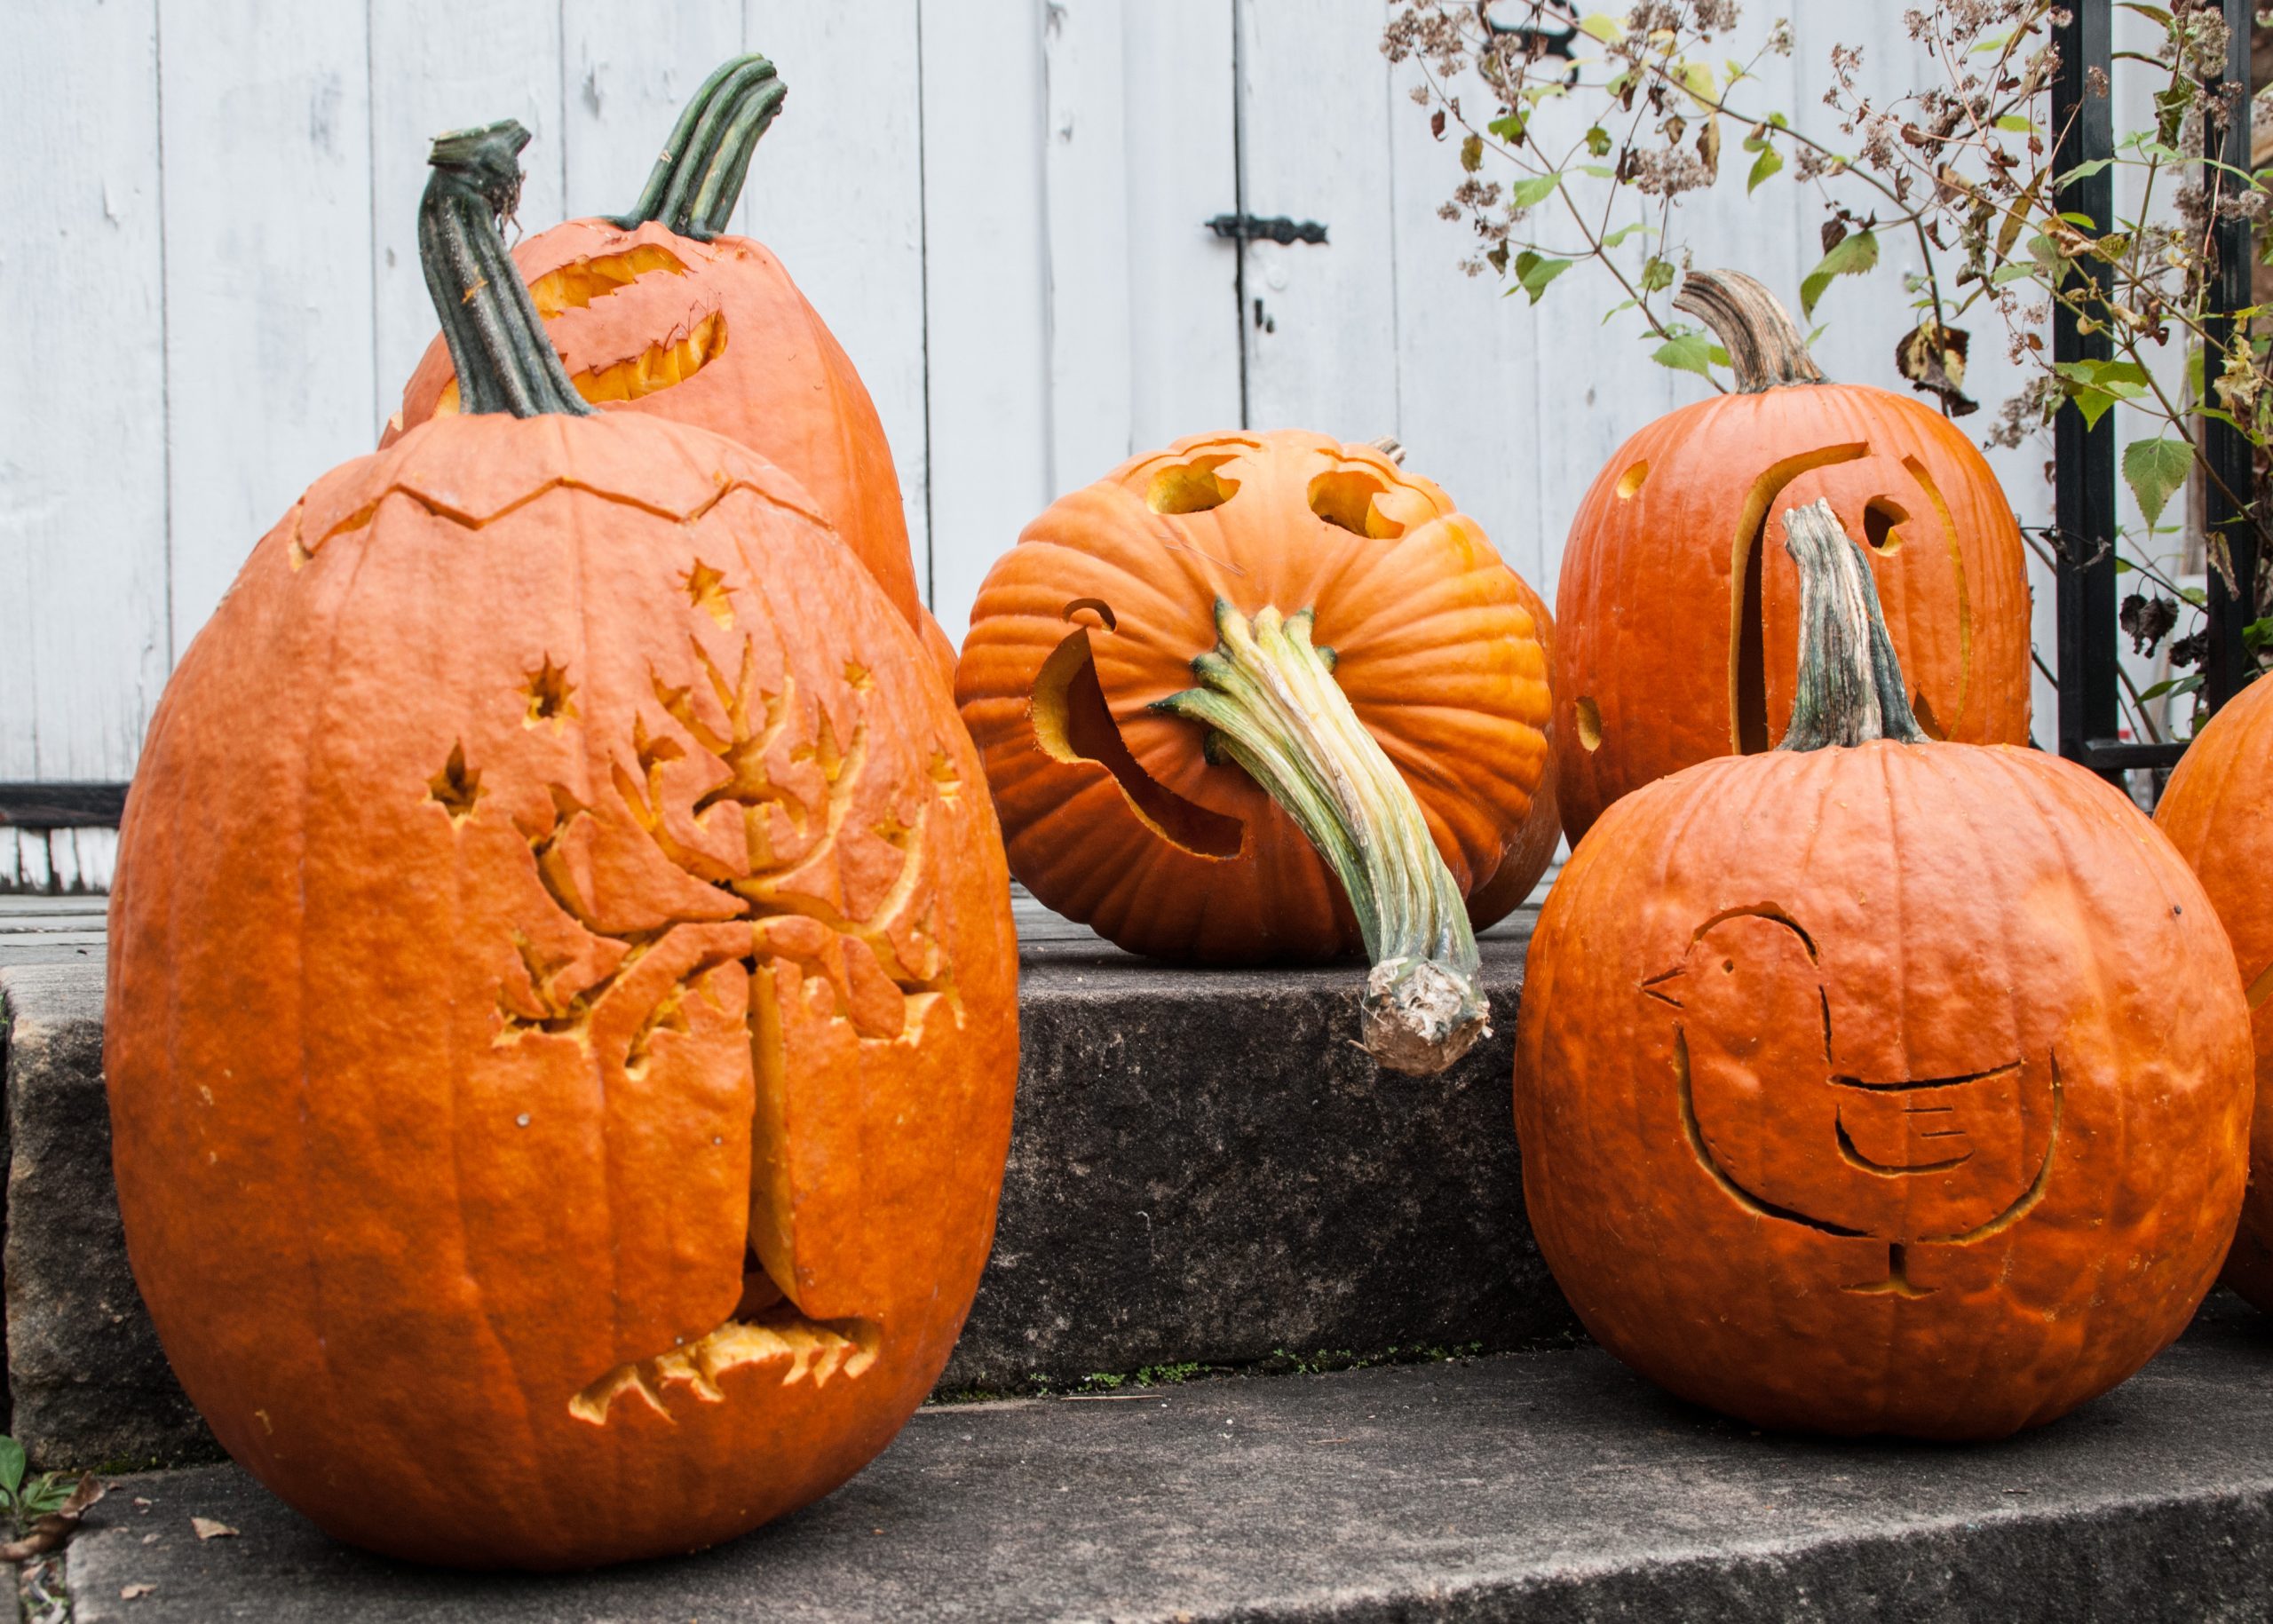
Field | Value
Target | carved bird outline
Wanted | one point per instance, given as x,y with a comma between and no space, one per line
1938,1161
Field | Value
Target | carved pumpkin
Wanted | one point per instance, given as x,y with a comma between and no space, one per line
562,1023
660,312
1874,1084
1679,617
1178,760
2218,811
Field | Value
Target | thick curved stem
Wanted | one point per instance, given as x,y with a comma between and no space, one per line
697,181
1276,710
1850,688
497,342
1766,351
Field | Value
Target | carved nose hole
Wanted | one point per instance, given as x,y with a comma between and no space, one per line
1880,517
1191,487
1590,723
1347,500
1630,481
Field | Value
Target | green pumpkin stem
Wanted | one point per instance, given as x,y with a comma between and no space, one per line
1850,688
497,342
697,181
1276,710
1765,350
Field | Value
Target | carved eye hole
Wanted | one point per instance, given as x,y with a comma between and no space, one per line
1094,606
1348,499
1880,517
1191,487
1630,481
1728,967
1590,723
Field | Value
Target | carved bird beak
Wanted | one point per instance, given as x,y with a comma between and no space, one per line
1666,988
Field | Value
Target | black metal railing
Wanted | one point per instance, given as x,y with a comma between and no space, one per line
2084,522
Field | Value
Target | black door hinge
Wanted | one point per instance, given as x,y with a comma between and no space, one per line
1251,228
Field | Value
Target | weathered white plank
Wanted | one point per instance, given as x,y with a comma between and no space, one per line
628,71
1085,181
268,304
82,522
985,293
1469,406
1183,170
836,191
440,65
1314,144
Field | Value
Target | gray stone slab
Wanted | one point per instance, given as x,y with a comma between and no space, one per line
1539,1486
1204,1167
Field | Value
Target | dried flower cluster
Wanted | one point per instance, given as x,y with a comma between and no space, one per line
1596,129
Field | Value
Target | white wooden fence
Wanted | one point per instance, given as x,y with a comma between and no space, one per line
208,293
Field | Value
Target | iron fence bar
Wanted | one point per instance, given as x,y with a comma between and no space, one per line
2226,450
2084,457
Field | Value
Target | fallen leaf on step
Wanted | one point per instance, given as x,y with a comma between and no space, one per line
134,1593
208,1529
51,1531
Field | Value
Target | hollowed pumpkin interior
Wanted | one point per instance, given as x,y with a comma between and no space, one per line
1072,723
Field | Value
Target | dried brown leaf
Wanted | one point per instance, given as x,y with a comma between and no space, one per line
207,1528
51,1531
1932,357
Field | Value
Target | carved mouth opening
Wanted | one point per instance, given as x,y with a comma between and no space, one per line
804,1349
664,364
1072,723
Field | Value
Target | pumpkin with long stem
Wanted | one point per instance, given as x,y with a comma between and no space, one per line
562,1024
660,311
2218,811
1678,617
1263,698
1877,1084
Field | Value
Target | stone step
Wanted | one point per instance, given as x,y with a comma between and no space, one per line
1534,1486
1204,1168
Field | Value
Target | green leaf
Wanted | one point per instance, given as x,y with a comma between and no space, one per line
2152,14
1508,128
1762,167
1537,189
1535,276
1611,239
1614,309
2015,122
1686,352
1472,154
1598,142
1603,27
12,1463
1855,254
1658,273
48,1491
2257,634
1600,171
2005,273
2154,469
2171,684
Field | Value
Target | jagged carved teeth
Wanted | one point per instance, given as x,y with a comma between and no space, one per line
818,1352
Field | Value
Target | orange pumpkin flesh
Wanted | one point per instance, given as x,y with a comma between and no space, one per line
1880,1086
1679,616
562,1023
706,328
1115,810
2218,812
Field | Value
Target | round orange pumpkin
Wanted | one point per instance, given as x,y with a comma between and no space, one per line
1874,1084
1679,617
1127,803
562,1026
2218,811
661,312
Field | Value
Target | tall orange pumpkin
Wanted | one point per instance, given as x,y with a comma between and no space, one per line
562,1024
1264,697
1679,620
661,312
2218,811
1875,1084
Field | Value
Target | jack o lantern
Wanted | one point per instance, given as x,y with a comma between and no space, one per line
660,312
1874,1084
2218,812
1679,620
562,1023
1264,697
